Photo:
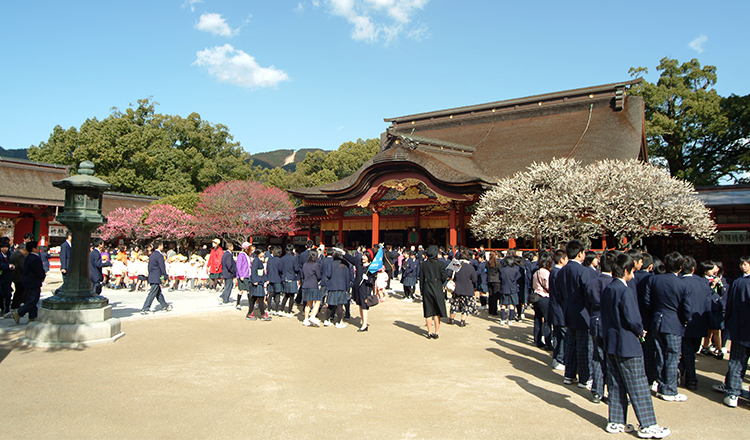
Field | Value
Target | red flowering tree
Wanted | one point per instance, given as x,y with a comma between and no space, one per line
240,209
125,223
169,223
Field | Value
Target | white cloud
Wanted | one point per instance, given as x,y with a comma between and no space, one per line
191,4
234,66
697,44
316,3
299,9
373,19
215,24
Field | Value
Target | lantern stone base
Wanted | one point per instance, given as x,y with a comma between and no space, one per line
73,328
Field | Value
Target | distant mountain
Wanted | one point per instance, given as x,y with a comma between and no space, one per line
286,159
19,153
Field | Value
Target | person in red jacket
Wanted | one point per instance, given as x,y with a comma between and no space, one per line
214,264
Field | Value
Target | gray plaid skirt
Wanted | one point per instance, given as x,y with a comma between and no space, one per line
410,281
243,284
257,290
289,287
337,297
311,294
274,288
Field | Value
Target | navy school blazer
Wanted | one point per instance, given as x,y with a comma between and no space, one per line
667,298
571,282
621,320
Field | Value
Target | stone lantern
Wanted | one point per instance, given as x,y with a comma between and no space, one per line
76,315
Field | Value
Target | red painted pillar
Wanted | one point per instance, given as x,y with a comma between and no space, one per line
375,226
512,243
453,237
417,214
341,226
462,224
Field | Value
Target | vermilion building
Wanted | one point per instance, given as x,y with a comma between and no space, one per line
421,187
29,202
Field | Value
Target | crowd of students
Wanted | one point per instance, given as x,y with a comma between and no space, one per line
620,324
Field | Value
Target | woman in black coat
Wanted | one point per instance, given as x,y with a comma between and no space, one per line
510,275
493,283
463,301
362,285
431,279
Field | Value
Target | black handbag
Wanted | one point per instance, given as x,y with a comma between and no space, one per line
372,300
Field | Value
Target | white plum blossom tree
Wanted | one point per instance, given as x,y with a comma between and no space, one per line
561,200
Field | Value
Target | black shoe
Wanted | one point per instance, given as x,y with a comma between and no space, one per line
596,398
435,336
605,399
364,329
462,324
692,385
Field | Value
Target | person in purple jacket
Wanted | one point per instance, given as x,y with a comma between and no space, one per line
243,272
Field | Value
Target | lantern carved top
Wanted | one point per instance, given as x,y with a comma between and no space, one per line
83,198
83,180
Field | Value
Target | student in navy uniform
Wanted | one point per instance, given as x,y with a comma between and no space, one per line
157,272
736,323
594,289
622,329
273,270
668,299
289,281
411,273
649,343
65,254
257,291
5,269
716,312
95,264
510,275
555,312
571,281
325,271
481,280
311,297
697,327
33,277
339,284
522,289
301,260
591,261
228,272
463,301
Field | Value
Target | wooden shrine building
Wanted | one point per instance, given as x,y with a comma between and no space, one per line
421,187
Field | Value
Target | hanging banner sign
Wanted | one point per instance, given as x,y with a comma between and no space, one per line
733,237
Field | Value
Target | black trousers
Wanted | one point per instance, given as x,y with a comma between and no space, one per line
494,297
19,295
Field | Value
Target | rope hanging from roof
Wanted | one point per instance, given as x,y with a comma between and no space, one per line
591,110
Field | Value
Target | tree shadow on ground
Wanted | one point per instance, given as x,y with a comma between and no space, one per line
10,342
534,364
559,400
518,334
543,357
417,330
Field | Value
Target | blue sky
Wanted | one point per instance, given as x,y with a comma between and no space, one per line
317,73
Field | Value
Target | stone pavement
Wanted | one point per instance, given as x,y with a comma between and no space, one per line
202,371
